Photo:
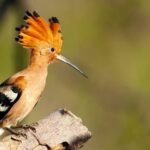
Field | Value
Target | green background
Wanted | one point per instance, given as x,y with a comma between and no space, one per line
110,41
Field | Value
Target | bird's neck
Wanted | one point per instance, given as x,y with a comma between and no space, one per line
38,61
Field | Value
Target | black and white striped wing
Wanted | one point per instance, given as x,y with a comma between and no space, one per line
9,95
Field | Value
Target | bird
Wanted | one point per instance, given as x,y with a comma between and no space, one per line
21,92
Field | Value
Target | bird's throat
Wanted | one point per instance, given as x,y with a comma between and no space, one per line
38,61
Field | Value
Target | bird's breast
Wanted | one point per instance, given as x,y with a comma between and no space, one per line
29,97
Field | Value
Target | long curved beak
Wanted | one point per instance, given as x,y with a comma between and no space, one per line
68,62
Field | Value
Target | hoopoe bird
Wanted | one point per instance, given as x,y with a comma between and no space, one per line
20,93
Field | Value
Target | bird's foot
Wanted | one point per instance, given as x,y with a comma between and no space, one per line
26,127
16,133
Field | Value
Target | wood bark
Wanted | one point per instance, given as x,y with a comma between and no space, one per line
61,130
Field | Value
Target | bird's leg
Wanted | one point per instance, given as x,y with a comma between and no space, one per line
27,127
15,132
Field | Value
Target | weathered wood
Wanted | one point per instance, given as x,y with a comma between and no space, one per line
61,130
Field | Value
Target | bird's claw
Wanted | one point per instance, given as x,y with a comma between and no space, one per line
26,127
16,133
19,134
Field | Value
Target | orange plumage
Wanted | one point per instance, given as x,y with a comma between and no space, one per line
20,92
37,33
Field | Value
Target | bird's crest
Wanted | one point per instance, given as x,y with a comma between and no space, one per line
38,33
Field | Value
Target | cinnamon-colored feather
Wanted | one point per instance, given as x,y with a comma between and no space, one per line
38,33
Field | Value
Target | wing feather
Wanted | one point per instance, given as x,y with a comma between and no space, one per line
9,94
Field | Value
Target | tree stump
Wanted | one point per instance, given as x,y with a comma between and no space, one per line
61,130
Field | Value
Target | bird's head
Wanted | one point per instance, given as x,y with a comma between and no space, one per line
44,38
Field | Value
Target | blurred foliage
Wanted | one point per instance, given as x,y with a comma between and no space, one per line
110,41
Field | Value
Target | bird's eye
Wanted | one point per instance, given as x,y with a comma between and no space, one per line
52,49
